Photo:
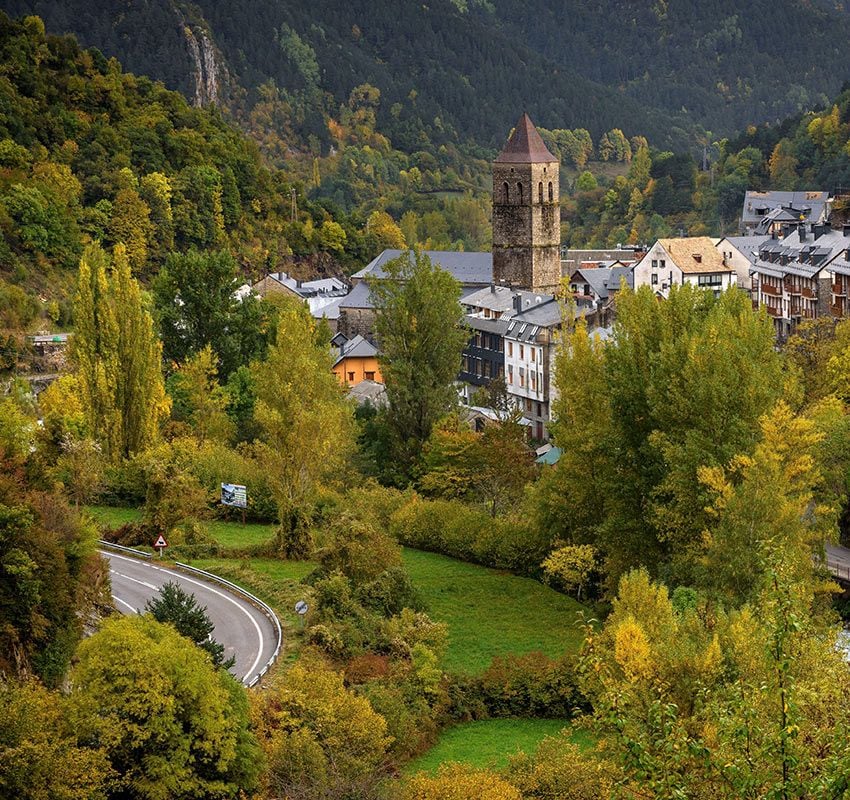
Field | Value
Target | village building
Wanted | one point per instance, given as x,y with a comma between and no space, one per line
674,262
767,212
356,361
803,275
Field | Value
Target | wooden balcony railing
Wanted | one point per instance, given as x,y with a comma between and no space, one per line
773,311
768,289
839,289
811,294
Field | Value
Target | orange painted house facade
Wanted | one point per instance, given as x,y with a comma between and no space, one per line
357,360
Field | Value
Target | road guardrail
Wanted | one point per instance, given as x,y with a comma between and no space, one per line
253,600
235,588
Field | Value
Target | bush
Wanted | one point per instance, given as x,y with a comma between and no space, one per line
389,593
457,530
531,685
357,549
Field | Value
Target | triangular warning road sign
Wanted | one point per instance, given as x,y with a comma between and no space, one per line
160,542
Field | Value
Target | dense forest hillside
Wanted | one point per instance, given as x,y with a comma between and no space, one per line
728,65
458,71
444,76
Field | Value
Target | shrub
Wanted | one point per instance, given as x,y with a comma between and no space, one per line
468,533
530,685
357,549
390,593
560,771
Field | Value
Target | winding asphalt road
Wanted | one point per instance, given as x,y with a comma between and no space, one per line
245,631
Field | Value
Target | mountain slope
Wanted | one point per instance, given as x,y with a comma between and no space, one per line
444,75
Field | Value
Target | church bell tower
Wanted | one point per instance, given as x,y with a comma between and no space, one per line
526,213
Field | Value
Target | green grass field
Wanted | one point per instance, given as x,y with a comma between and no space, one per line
489,743
491,613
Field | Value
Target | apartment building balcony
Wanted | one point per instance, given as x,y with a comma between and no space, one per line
839,289
790,288
774,311
766,288
808,293
837,310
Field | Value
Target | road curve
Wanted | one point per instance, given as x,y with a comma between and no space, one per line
245,631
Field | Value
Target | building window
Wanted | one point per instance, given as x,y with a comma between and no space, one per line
510,373
655,263
510,348
663,264
551,193
521,351
370,376
528,405
506,191
709,280
540,409
519,192
540,192
351,377
654,279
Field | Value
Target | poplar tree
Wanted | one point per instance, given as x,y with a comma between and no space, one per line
117,356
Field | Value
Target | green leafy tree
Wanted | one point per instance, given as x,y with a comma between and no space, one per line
175,606
117,356
196,307
306,421
419,323
171,724
321,739
41,753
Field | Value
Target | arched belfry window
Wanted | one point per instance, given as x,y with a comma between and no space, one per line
551,194
540,192
506,191
519,192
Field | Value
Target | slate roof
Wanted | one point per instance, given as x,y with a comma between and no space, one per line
753,201
359,297
525,146
469,269
501,298
597,278
695,255
748,246
805,258
356,347
368,391
524,327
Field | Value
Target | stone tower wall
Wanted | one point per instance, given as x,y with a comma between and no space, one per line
527,234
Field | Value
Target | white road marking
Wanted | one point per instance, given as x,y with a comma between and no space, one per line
135,580
125,603
210,589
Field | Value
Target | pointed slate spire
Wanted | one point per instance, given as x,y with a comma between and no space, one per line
525,146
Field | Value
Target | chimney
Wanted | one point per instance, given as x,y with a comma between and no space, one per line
518,303
493,287
845,228
802,231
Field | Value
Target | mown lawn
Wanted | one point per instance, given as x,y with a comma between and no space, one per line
489,743
492,613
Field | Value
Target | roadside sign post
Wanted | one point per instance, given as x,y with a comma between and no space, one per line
301,608
233,494
161,544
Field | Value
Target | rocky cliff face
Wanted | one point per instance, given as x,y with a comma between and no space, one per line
207,71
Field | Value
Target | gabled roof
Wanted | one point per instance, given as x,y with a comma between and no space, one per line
765,201
694,255
748,246
357,347
359,297
469,269
502,298
525,146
